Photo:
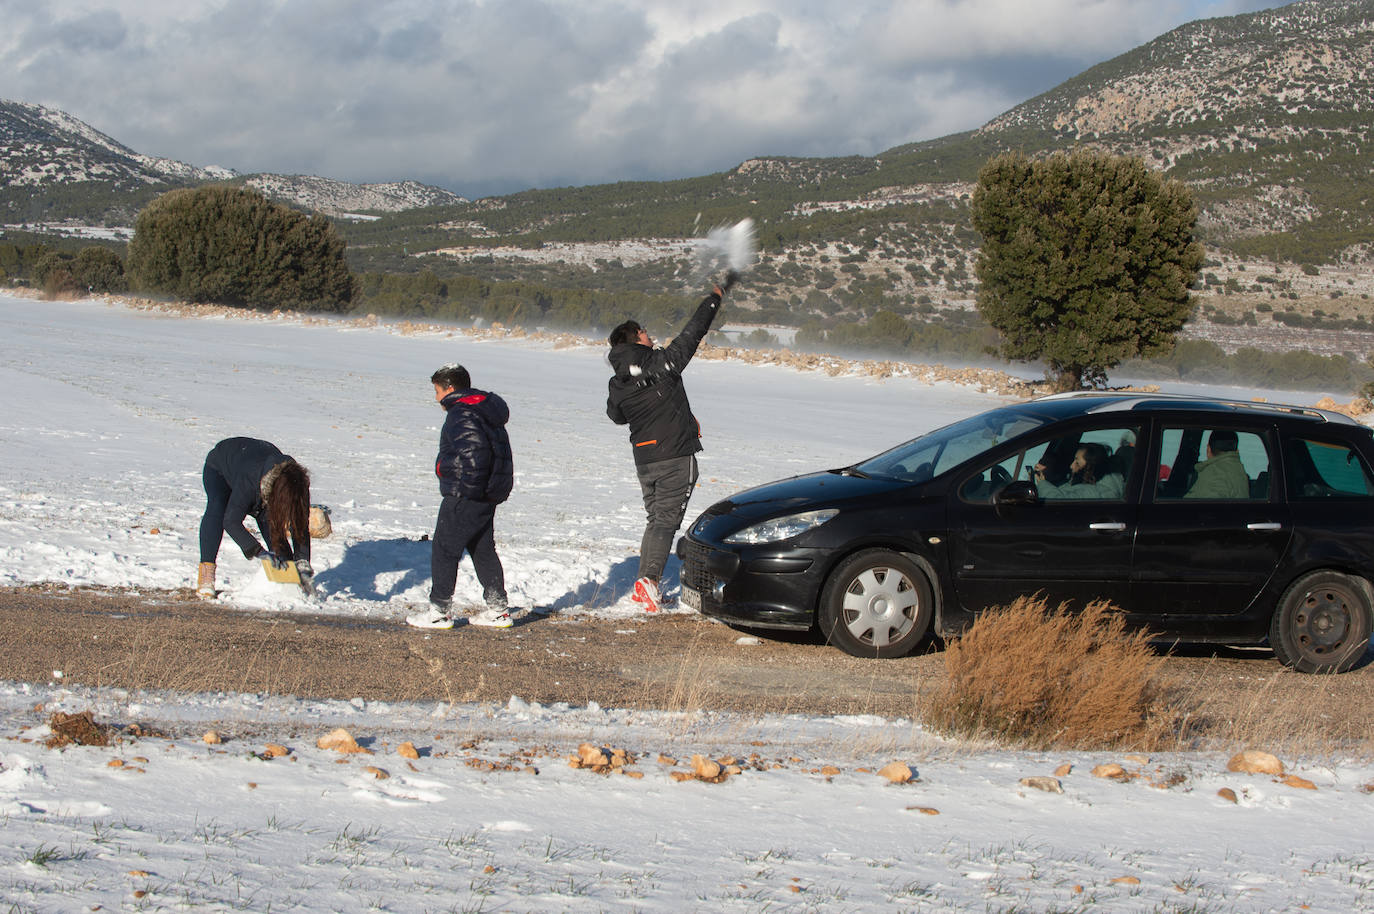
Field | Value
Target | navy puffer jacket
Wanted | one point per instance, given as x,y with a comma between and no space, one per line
475,460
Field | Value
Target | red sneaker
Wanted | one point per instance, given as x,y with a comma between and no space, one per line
646,592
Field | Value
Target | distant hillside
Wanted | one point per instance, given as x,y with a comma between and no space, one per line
54,167
1267,116
340,198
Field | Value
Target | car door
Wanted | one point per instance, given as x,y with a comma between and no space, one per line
1058,544
1207,545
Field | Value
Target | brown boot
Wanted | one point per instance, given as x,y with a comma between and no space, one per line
205,581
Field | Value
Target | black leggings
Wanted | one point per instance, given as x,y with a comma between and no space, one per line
217,493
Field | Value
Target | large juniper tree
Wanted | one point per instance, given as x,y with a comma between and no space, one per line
232,246
1086,260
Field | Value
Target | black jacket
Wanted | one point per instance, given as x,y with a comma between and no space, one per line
647,392
246,463
475,460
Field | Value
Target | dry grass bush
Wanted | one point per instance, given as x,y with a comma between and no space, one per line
1043,679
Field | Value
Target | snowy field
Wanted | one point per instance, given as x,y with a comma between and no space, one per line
107,415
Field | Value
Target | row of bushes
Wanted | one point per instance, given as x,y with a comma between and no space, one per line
1204,362
89,270
227,245
950,335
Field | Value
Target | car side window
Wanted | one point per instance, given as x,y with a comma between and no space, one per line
1212,464
1322,469
1092,464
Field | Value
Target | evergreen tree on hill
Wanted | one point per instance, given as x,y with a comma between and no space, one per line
1086,260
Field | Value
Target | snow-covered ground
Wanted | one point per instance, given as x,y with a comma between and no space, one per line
107,414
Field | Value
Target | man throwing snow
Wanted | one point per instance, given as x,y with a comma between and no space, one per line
647,394
476,472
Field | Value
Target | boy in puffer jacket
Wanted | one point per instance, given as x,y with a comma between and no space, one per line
476,472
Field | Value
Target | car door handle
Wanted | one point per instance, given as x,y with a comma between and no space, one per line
1270,525
1108,526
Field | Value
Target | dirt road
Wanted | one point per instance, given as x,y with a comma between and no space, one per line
169,640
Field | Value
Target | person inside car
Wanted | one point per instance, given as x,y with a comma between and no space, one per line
1090,476
1221,475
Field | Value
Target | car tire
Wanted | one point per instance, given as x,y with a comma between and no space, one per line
1322,623
876,603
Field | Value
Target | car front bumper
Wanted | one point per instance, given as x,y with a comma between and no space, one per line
753,586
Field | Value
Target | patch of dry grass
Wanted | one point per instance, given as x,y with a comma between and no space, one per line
79,729
1037,678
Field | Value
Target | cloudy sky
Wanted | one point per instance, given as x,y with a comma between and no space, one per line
493,96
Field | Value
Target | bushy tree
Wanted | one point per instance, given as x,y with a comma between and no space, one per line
232,246
98,269
92,269
1086,260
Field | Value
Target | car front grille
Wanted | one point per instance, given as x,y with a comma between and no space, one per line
694,572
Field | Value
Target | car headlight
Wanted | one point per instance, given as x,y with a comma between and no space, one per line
781,528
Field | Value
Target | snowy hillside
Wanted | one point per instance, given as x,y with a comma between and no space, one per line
107,415
43,146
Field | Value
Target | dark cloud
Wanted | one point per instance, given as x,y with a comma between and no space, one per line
102,30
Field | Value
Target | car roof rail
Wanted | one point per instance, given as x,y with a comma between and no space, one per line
1126,401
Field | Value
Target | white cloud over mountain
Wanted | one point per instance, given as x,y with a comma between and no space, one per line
484,96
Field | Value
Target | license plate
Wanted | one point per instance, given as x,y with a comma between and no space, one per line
690,598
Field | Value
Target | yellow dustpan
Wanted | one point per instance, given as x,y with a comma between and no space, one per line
287,575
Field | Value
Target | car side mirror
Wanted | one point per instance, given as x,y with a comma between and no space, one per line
1020,493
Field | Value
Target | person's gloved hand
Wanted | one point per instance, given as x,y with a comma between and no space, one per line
277,561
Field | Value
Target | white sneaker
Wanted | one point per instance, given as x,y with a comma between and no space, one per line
431,617
496,617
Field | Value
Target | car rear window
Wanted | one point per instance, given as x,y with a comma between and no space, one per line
1326,469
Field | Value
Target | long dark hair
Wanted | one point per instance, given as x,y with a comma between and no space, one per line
1095,462
288,507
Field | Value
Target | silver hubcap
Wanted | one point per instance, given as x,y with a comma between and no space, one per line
880,606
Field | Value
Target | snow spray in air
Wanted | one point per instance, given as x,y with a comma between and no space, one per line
731,248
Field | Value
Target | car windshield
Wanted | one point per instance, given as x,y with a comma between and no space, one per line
945,448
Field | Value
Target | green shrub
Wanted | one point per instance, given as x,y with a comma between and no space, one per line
231,246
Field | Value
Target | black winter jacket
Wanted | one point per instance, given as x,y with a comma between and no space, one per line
475,460
647,392
245,463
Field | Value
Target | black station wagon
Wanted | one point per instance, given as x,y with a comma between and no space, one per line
1204,520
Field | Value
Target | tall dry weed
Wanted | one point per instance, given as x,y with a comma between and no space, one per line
1053,679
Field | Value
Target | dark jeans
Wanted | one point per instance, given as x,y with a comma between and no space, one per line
212,521
667,486
465,526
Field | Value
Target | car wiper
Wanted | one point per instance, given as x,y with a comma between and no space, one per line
852,471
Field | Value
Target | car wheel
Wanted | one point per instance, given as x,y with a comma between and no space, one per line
877,603
1323,622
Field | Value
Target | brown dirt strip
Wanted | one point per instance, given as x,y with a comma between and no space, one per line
169,640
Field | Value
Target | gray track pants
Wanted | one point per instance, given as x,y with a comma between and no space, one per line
667,486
